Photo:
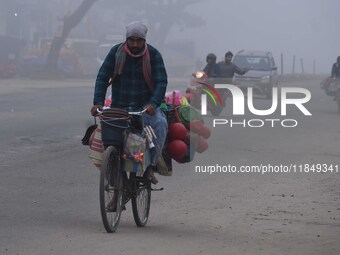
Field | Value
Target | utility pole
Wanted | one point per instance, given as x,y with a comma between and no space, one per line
281,63
302,69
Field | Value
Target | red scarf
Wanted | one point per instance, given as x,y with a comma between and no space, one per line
120,58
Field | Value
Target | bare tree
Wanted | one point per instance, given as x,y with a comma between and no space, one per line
161,15
69,22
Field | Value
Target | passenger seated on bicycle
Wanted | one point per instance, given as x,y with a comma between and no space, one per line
139,81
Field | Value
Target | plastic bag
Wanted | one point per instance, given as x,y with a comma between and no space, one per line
173,98
135,147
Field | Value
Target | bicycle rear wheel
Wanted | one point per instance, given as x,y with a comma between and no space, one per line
110,189
141,201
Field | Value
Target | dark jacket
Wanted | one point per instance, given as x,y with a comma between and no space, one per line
212,70
336,70
130,89
228,70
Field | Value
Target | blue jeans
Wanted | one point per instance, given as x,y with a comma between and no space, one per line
160,126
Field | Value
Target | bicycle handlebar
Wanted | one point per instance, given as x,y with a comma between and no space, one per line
130,113
138,113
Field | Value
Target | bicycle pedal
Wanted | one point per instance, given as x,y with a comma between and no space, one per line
160,189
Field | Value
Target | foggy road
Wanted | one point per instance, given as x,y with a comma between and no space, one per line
49,187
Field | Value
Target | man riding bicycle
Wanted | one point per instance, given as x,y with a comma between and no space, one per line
138,77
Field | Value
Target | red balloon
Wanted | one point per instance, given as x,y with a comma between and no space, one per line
202,145
177,131
191,139
205,132
196,126
187,138
177,149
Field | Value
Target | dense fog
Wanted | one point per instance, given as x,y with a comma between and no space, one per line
186,31
305,28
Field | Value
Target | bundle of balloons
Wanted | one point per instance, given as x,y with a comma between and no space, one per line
184,141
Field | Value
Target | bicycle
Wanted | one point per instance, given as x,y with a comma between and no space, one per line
118,184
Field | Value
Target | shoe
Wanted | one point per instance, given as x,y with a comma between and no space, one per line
112,205
149,174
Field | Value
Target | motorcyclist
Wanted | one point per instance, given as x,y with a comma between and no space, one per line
228,69
212,69
336,69
335,74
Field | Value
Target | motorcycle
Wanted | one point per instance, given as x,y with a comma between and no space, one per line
202,84
332,88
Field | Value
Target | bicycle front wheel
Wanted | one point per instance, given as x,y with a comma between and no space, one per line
110,189
141,202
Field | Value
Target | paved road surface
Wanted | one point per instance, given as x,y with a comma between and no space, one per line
49,188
